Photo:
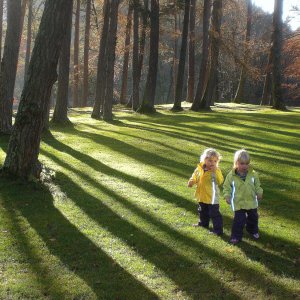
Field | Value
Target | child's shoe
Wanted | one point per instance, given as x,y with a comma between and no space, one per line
255,236
234,241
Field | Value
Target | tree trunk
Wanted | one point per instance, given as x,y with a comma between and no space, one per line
111,49
265,100
102,61
24,144
147,105
1,28
207,98
9,64
191,78
60,115
76,57
277,53
123,94
143,38
86,54
135,57
239,96
29,36
203,73
181,66
23,11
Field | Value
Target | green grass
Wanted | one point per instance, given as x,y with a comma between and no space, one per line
116,221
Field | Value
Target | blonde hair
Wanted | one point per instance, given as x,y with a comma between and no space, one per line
208,153
241,156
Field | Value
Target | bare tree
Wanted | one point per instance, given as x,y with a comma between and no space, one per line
76,56
29,37
191,77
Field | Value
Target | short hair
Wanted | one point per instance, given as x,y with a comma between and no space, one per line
208,153
241,156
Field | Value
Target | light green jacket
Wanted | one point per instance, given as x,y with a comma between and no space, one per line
242,194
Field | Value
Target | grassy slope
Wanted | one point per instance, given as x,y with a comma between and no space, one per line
117,222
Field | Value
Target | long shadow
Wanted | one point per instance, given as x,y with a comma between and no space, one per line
274,262
102,274
191,278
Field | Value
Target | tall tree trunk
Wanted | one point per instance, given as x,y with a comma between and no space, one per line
60,114
143,38
1,28
111,49
205,55
29,37
102,61
239,96
191,77
265,100
147,105
277,53
207,98
135,57
86,53
24,144
9,64
181,66
76,56
23,11
123,94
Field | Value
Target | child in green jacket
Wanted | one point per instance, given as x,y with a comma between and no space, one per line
242,190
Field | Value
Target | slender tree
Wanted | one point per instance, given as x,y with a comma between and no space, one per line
76,56
23,149
1,27
60,114
239,96
123,94
29,37
266,96
147,105
9,64
191,77
205,56
181,65
86,53
207,98
102,61
276,55
111,49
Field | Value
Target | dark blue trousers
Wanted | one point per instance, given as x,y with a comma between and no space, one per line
211,211
248,217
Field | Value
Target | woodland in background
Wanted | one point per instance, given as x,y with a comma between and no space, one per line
171,17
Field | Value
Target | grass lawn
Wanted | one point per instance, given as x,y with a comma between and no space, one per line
115,223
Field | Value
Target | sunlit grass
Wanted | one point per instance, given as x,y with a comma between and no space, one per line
115,223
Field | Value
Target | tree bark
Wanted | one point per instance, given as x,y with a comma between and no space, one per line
239,96
76,57
60,115
147,105
181,66
24,144
111,49
191,77
203,73
102,61
9,65
207,98
277,53
86,54
29,37
135,57
123,94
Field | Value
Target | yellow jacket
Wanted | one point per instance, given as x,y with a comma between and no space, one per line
208,183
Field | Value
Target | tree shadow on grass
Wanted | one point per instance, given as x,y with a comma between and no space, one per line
94,208
102,274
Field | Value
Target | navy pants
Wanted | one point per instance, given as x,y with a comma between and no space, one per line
211,211
242,217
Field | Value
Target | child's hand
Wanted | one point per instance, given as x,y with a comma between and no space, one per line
190,183
227,200
259,197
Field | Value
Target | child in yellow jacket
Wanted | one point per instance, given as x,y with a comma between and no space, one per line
208,177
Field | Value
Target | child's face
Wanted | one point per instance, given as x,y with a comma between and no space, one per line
242,166
211,162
